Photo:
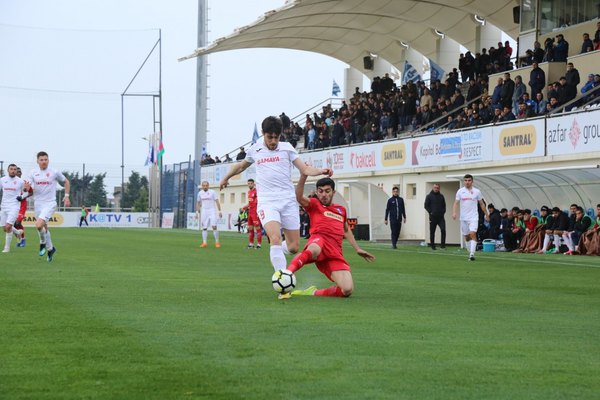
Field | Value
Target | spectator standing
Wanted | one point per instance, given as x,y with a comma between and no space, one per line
517,93
561,49
538,52
435,204
241,155
397,214
572,75
587,44
537,79
508,88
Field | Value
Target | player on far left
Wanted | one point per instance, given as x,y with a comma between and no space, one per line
21,216
43,182
205,205
12,186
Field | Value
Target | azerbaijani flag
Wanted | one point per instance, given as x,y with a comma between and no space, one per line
159,156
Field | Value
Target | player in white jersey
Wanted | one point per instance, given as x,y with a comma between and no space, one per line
277,206
469,197
205,205
12,186
43,182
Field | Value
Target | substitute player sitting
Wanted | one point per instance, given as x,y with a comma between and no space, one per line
324,248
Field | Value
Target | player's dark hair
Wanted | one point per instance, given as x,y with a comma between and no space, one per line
42,154
395,188
527,211
326,182
12,165
468,176
272,125
250,180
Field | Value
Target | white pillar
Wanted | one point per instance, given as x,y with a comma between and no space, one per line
353,79
447,51
487,36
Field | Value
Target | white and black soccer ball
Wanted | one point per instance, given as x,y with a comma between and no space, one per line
284,281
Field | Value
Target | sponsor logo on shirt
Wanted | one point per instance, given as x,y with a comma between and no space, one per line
333,215
268,160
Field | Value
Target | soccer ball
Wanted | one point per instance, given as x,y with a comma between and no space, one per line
284,281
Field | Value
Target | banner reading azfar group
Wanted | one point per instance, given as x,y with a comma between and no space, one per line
573,133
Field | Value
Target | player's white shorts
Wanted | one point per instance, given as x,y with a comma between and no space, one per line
45,211
209,218
284,211
468,226
9,216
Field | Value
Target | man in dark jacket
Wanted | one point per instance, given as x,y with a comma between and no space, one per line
495,222
537,80
560,224
396,213
435,204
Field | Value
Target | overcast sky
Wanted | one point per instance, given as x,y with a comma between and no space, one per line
66,62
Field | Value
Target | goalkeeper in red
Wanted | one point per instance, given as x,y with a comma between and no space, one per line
328,227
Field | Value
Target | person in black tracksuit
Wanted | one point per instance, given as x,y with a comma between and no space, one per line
396,213
435,204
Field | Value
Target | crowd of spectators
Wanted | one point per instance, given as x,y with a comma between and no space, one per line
388,111
547,231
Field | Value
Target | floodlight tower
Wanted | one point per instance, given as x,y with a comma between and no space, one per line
201,90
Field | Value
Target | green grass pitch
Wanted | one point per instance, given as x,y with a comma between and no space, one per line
147,314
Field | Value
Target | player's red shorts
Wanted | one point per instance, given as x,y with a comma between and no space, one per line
253,219
331,257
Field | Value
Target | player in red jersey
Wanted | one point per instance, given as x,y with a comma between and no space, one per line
21,215
254,227
328,227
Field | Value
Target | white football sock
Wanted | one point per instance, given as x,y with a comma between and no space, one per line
284,248
473,246
277,258
546,242
204,235
42,236
49,245
8,237
216,235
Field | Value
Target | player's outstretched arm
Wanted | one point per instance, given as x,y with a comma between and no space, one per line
310,170
236,168
350,238
300,197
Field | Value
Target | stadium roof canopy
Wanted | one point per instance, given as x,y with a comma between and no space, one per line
349,30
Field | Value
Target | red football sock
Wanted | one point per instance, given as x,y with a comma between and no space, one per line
303,258
251,237
333,291
259,237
